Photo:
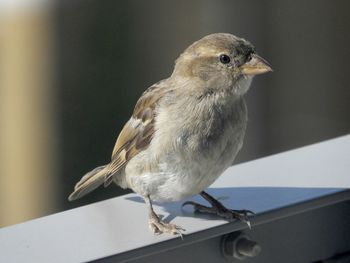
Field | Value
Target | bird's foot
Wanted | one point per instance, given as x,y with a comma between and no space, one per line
220,210
158,226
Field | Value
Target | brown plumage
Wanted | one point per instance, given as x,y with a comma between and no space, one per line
185,130
134,138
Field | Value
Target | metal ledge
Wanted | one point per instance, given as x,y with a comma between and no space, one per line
116,229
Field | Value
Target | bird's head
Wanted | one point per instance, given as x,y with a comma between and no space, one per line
221,60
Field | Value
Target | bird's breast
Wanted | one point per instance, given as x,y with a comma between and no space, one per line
189,150
203,145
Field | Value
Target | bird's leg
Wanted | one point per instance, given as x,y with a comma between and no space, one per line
157,226
219,209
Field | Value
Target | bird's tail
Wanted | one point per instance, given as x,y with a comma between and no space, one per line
89,182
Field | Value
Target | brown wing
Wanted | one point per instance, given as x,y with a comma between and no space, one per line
137,133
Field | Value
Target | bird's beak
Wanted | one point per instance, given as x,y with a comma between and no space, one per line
257,65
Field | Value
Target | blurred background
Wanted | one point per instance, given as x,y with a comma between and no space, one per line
71,72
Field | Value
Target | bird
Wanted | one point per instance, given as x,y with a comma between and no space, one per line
185,130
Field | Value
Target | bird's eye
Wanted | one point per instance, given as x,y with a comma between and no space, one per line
249,57
224,59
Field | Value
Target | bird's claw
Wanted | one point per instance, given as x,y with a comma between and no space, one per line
220,210
158,227
194,204
241,215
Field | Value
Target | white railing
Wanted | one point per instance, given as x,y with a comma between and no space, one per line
274,187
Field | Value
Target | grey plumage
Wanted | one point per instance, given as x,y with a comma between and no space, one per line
185,130
89,182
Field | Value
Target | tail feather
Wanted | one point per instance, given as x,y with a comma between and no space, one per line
89,182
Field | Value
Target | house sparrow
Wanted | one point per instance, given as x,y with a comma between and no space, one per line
186,130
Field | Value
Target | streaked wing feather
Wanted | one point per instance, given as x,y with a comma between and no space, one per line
137,133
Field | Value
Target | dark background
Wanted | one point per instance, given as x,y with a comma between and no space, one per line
108,52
